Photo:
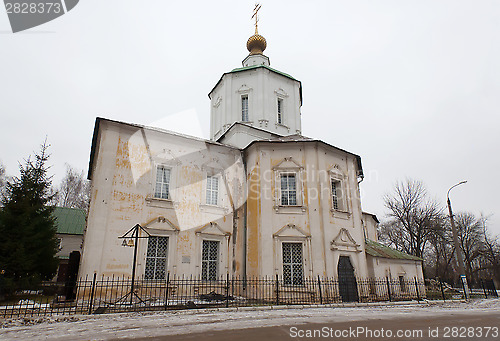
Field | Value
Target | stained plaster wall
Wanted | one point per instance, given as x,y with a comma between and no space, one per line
315,222
370,226
122,195
393,268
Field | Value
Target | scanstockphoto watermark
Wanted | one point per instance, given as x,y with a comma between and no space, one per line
26,14
355,332
398,334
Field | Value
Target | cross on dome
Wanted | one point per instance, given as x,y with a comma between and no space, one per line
256,44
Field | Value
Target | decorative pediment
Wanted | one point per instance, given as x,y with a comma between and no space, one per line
281,93
336,171
344,242
244,89
288,163
290,230
212,229
167,157
161,223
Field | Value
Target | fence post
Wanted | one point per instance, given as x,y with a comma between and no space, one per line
277,291
227,290
92,293
484,289
416,288
166,290
320,293
442,290
388,288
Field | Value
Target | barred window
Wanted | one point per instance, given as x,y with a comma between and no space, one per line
336,192
244,108
156,257
293,268
280,111
162,188
402,283
212,190
210,260
288,190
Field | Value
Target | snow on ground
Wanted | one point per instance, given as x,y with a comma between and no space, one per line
130,325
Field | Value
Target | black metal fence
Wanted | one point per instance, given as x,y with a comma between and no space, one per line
106,295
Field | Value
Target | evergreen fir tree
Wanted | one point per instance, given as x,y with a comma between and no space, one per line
28,242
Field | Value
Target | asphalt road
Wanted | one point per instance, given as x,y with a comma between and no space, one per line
475,326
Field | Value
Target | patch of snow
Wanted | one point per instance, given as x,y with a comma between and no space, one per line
150,324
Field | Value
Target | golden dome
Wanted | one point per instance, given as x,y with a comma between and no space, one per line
256,44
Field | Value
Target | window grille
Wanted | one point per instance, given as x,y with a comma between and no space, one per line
209,260
162,188
212,190
293,269
335,194
156,258
280,111
288,190
402,284
244,108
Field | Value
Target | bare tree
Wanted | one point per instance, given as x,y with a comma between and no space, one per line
490,257
413,217
74,190
418,226
471,237
440,257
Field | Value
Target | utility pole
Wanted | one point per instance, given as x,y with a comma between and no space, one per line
458,249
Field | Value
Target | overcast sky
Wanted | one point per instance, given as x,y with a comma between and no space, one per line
413,87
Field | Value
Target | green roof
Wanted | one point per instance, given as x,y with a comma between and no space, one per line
264,66
69,220
378,250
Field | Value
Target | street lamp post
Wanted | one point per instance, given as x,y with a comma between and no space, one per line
458,250
133,236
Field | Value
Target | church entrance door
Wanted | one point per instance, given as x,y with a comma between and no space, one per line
348,287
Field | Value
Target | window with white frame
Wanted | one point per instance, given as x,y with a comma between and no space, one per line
337,196
293,266
335,193
209,260
244,108
212,190
162,187
288,189
156,258
280,111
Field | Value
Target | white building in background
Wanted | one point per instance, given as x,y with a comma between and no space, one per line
257,199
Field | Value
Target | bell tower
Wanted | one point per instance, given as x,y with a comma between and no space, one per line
255,95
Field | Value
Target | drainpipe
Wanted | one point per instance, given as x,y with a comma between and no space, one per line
361,177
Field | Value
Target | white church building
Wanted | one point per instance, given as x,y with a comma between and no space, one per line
257,199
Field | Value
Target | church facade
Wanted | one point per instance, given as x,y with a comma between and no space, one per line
257,199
